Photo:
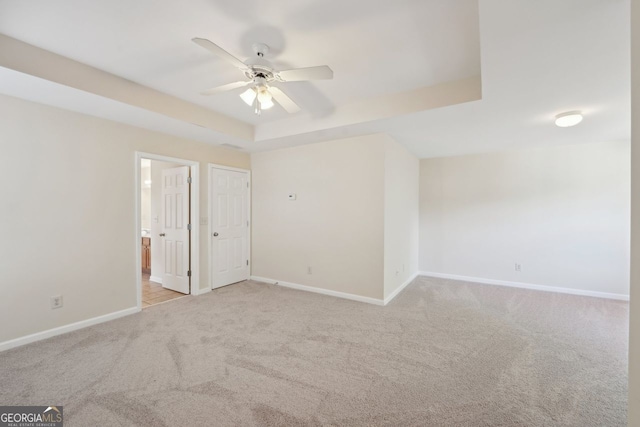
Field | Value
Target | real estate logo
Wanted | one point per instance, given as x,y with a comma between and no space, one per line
31,416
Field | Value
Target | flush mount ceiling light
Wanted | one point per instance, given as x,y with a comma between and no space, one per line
568,119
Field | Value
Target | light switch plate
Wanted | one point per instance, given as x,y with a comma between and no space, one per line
292,196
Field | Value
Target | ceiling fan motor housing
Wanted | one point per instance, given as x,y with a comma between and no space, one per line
256,72
259,67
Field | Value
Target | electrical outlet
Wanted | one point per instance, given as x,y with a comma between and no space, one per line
56,301
518,267
309,270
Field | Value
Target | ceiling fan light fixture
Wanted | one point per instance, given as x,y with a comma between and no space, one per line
264,97
248,96
266,104
568,119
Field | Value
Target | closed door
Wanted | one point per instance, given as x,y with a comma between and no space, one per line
175,229
229,227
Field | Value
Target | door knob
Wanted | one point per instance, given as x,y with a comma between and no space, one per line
215,234
162,234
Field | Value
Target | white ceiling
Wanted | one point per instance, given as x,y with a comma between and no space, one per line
539,58
374,47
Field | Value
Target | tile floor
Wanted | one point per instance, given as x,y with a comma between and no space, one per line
154,293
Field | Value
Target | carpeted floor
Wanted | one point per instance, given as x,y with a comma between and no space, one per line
443,353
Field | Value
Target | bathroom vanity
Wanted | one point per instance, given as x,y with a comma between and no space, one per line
146,254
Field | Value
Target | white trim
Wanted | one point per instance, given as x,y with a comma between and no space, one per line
138,227
155,279
210,168
195,228
194,208
544,288
66,328
229,168
343,295
395,293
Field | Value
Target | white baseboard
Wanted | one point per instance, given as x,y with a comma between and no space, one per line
66,328
155,279
544,288
319,290
395,293
203,291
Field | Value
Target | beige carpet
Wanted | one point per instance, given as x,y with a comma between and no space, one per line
443,353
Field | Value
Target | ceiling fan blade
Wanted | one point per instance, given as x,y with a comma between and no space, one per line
224,88
322,72
282,99
217,50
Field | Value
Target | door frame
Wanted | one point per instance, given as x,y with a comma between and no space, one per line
194,209
210,168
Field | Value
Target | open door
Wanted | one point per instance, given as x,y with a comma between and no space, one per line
229,227
176,227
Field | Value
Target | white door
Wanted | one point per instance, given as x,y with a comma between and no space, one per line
175,228
229,227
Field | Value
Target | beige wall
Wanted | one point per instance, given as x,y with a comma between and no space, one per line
68,213
401,232
336,224
634,344
561,212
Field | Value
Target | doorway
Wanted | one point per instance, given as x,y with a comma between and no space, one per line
167,200
229,225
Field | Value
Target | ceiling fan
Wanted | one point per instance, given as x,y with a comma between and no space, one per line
261,75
